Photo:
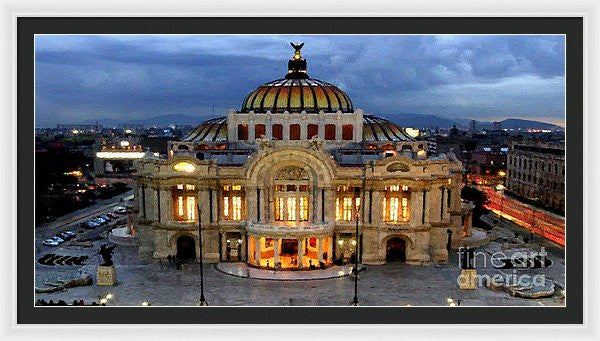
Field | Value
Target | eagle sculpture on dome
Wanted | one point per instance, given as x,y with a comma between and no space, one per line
297,47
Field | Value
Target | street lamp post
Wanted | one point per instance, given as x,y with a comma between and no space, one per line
358,216
202,299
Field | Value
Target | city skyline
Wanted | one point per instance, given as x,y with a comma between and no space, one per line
483,77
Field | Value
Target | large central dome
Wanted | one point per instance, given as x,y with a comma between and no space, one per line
297,92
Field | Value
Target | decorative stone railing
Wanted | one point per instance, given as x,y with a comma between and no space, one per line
289,229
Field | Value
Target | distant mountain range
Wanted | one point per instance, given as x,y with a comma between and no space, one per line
402,119
432,121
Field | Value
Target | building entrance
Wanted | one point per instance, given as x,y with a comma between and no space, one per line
396,250
186,247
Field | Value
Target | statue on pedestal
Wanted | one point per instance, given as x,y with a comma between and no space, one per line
106,273
106,253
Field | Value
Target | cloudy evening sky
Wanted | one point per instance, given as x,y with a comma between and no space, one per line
83,77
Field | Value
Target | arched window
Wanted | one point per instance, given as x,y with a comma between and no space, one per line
330,132
242,132
312,131
347,132
259,131
291,195
294,132
277,132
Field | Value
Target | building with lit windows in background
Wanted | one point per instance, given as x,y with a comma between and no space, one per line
279,184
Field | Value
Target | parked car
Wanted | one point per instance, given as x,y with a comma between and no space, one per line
70,233
50,242
120,209
99,221
106,217
90,224
113,215
57,239
65,236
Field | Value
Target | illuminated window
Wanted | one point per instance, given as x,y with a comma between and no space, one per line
291,200
184,167
291,209
347,203
279,214
237,208
233,202
226,207
184,201
347,212
404,208
191,208
395,204
393,209
304,208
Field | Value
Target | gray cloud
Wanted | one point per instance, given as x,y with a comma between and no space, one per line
133,76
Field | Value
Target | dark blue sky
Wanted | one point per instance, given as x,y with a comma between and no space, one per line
83,77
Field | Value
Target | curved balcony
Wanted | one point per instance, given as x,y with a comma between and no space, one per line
289,228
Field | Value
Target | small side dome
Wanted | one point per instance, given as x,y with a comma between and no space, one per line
213,130
377,129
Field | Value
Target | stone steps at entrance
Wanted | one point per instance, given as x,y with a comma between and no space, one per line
242,270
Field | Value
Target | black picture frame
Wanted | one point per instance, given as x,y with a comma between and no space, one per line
572,313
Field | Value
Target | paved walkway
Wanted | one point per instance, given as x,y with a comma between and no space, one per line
242,270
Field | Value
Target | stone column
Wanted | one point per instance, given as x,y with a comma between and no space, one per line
329,202
303,129
257,250
320,249
377,213
300,252
276,252
261,204
426,202
204,202
215,205
251,209
269,129
286,130
367,206
251,128
416,209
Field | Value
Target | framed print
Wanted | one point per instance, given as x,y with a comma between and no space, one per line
217,170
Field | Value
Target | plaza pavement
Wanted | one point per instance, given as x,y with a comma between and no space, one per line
159,283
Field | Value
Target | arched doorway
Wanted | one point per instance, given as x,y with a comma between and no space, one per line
186,247
395,250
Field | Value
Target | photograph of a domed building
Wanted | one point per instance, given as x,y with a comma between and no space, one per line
323,184
279,184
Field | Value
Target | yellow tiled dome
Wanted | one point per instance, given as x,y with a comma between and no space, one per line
297,92
297,95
